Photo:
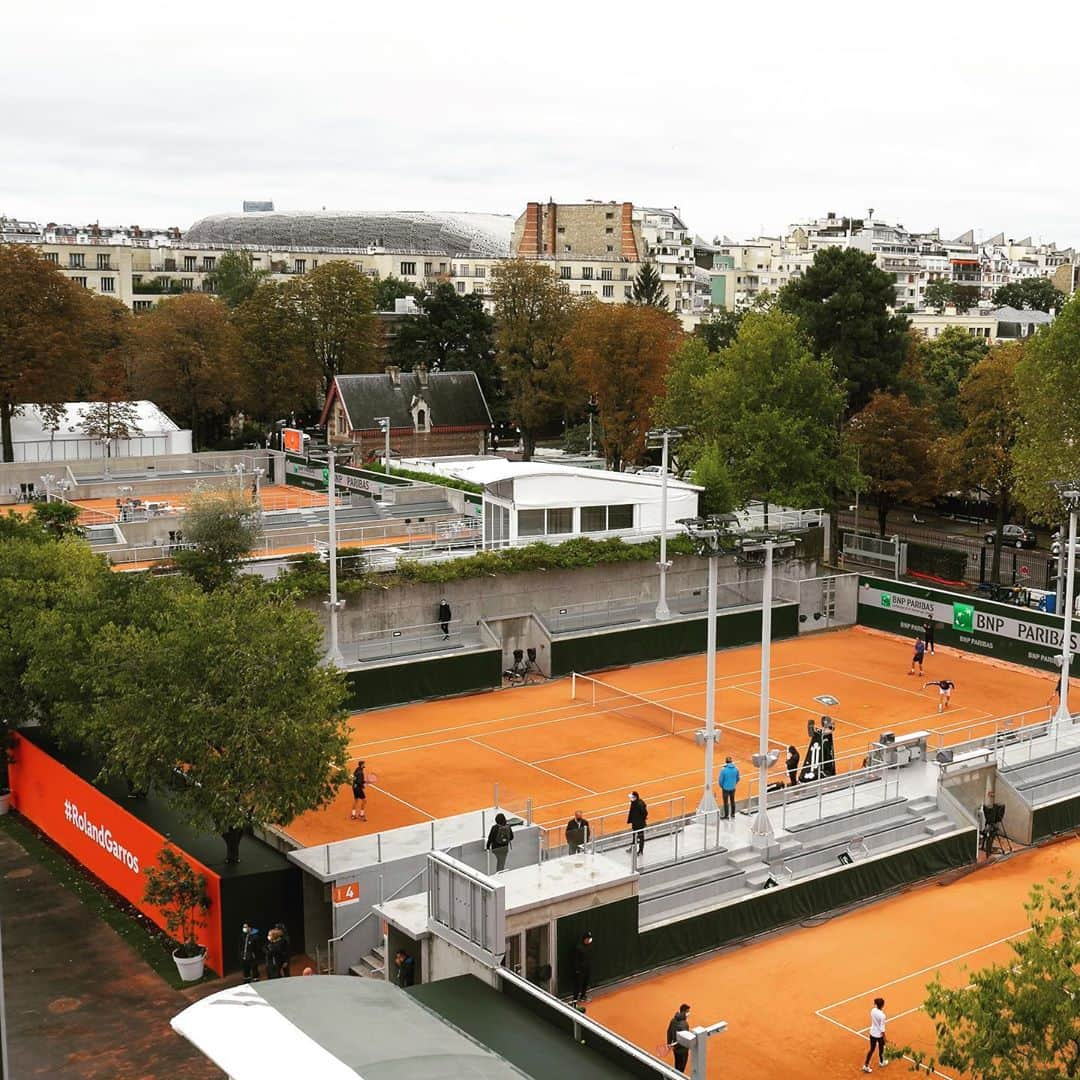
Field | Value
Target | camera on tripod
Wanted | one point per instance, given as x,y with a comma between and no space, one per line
992,838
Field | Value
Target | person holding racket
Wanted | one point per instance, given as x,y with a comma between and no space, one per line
945,689
679,1023
359,792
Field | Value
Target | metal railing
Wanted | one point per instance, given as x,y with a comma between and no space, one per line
608,827
407,640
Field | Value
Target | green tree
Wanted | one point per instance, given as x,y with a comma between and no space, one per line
1018,1020
718,330
235,277
179,893
58,519
533,315
680,405
711,472
648,288
843,303
191,690
223,525
333,306
895,442
391,288
981,451
45,336
772,410
620,355
942,294
1048,383
1035,294
945,362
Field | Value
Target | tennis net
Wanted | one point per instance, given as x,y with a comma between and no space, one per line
614,701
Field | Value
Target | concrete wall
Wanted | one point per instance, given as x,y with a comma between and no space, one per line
522,632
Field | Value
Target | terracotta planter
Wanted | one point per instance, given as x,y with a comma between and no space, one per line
190,967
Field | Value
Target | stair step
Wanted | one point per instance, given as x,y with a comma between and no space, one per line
922,804
936,828
744,856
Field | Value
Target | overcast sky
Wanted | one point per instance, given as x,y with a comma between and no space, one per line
746,116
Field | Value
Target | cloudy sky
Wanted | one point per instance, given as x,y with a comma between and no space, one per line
746,116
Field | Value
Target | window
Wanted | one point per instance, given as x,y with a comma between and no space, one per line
593,519
464,269
610,247
605,274
480,271
142,305
76,260
187,284
52,257
442,268
189,262
560,520
478,288
628,291
609,291
427,269
566,247
80,281
621,516
585,290
566,272
606,518
624,273
561,229
460,286
299,266
108,284
530,523
103,262
586,273
609,230
408,269
610,215
209,262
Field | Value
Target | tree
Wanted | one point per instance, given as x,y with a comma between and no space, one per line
942,294
533,315
648,288
451,333
180,895
680,405
621,353
718,330
1034,294
843,304
711,472
981,452
1018,1020
895,443
336,329
44,349
772,410
235,277
1048,385
223,525
390,288
945,362
58,519
187,361
189,692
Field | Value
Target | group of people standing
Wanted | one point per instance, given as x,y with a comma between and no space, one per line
275,952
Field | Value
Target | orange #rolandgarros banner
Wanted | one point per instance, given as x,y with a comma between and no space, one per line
112,844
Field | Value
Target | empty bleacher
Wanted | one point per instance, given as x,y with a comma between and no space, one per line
1045,779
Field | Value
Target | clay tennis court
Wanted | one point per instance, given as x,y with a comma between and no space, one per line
437,758
797,1002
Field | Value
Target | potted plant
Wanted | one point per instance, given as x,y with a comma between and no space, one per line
179,894
7,746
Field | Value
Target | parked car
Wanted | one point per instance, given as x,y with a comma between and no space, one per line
1014,536
654,470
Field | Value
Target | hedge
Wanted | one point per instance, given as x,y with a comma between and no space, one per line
945,563
428,478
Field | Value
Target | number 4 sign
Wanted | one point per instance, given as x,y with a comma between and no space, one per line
347,892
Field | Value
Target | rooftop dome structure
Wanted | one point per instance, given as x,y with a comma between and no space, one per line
477,235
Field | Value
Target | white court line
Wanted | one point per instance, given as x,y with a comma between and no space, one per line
600,749
397,798
862,1038
530,765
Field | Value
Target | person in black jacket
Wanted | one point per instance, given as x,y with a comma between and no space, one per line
499,839
582,968
792,765
444,617
249,952
636,818
679,1023
577,832
404,968
277,955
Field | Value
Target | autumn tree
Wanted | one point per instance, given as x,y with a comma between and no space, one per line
620,355
895,444
333,310
844,305
45,354
235,277
1048,386
533,315
1033,294
648,288
187,361
981,452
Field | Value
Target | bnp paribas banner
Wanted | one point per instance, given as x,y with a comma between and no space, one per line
1016,634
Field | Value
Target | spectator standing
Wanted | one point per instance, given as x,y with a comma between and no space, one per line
792,765
582,968
277,955
636,819
445,616
928,635
404,968
499,839
679,1023
877,1035
729,781
249,952
577,832
917,657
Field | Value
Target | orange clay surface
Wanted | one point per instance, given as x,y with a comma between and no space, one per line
797,1003
437,758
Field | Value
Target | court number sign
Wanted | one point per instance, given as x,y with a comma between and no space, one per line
347,892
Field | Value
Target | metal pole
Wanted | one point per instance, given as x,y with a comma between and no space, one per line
708,799
762,827
388,470
1063,716
662,611
335,656
1059,581
590,433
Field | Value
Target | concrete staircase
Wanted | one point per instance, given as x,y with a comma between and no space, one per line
372,966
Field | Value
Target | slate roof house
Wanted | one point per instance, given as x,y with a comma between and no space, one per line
431,413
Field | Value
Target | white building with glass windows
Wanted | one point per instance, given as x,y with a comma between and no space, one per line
533,500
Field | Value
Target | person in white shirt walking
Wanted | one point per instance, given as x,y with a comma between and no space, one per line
877,1035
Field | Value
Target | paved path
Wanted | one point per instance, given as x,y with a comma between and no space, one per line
80,1003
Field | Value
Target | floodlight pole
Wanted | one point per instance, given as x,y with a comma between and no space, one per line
334,605
1063,715
708,798
384,423
662,609
762,827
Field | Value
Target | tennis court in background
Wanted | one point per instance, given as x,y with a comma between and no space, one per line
538,743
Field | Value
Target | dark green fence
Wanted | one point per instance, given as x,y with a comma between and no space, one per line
417,680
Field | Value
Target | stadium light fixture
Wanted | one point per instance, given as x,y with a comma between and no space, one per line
663,437
384,427
334,605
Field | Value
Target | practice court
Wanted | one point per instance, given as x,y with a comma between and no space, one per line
437,758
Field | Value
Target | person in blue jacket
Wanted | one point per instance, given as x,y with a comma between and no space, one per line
729,780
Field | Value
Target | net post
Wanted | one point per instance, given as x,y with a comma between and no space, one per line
529,810
573,686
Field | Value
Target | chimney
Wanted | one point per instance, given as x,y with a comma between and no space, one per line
530,233
395,374
421,373
551,246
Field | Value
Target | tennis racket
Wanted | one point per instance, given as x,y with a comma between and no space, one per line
662,1050
370,778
